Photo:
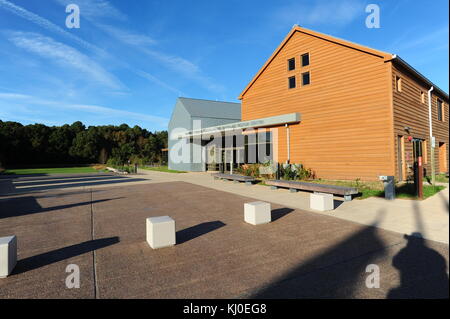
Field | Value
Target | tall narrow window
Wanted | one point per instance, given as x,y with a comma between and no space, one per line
292,82
306,78
422,96
398,83
291,64
439,110
305,59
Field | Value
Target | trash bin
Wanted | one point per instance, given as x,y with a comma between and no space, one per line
389,187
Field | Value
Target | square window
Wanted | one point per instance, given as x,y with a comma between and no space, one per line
291,64
292,82
305,59
306,78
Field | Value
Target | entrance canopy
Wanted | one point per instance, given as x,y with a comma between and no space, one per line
257,123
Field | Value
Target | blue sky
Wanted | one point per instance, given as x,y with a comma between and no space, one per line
130,60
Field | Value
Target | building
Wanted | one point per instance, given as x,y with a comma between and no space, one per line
345,110
184,116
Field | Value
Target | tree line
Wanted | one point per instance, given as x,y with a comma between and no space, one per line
39,144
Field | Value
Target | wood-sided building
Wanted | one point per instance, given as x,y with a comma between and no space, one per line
359,107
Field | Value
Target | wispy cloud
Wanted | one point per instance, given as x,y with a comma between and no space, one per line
127,36
332,12
46,24
94,9
177,64
431,40
102,111
64,55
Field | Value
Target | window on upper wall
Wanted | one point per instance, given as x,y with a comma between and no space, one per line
305,59
422,96
398,83
306,78
292,82
440,110
291,64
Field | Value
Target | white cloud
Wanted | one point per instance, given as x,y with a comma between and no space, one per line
104,112
331,12
46,24
126,36
94,9
64,55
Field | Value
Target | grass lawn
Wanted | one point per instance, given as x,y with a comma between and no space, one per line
60,170
440,178
164,169
376,189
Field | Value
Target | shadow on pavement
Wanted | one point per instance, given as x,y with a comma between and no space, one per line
197,231
333,274
58,255
21,206
280,213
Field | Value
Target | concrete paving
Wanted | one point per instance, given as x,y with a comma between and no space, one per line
300,254
429,217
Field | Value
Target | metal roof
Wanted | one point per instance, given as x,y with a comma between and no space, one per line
211,109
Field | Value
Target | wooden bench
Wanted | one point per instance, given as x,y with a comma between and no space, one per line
234,177
294,186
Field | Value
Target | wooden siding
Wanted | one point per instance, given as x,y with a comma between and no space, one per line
346,130
410,111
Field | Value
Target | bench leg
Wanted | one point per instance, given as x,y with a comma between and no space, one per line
347,198
293,190
249,183
273,187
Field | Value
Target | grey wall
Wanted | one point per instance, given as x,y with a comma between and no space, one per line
182,119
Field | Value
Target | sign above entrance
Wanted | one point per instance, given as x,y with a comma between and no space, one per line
257,123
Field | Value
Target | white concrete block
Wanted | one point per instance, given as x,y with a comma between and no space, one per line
160,232
8,255
257,213
321,201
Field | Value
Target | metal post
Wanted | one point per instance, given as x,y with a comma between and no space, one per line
419,178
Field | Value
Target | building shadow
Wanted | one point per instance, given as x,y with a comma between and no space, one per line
193,232
61,254
280,213
21,206
335,273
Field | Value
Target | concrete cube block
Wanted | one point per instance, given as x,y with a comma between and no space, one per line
321,201
8,255
257,213
161,232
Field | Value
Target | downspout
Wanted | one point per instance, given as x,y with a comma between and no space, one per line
288,144
433,173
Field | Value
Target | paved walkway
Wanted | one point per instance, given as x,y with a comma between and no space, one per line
429,217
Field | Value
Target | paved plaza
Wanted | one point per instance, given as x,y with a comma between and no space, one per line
97,221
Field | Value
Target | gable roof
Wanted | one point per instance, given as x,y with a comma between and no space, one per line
383,55
211,109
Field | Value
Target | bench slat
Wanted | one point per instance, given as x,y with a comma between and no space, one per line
234,177
333,189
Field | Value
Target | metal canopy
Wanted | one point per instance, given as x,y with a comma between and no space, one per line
257,123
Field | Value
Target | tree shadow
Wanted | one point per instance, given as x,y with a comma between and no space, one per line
61,254
280,213
333,274
193,232
21,206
